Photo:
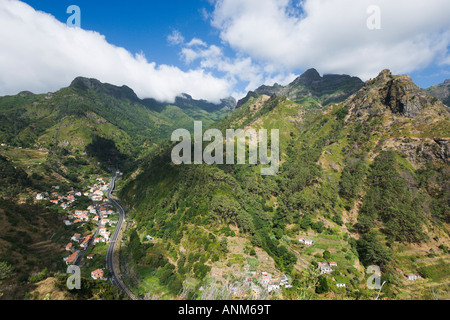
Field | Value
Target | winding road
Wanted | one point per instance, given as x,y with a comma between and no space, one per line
110,263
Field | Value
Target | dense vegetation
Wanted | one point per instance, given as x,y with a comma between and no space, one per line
340,181
327,172
389,200
12,179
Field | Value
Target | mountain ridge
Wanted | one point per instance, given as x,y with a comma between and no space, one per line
327,89
441,91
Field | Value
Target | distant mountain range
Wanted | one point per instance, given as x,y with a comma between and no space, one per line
441,91
71,117
311,89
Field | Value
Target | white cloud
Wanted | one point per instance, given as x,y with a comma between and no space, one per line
40,54
175,38
238,70
332,35
196,42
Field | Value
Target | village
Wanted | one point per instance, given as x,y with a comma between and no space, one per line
94,223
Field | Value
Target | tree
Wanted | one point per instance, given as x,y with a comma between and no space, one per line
306,223
201,270
224,245
5,270
327,255
372,251
322,287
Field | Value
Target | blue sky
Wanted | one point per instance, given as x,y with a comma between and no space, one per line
225,47
138,25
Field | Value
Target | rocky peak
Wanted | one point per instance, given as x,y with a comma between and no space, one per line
85,83
26,94
311,75
403,96
447,81
186,101
398,93
123,92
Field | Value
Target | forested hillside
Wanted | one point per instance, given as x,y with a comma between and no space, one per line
367,179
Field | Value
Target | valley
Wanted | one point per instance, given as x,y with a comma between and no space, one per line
363,180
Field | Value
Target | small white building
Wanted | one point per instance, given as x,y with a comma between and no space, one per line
40,197
265,278
97,198
97,274
76,237
413,277
306,242
324,268
274,285
284,280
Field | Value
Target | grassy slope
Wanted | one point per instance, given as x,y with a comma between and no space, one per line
164,195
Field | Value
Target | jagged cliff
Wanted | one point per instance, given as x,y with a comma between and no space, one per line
312,89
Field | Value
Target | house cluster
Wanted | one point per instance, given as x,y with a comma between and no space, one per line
64,201
326,268
84,243
306,242
258,283
273,284
98,190
72,258
104,214
80,216
98,214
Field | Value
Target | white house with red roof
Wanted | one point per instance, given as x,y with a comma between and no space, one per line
307,242
71,259
97,274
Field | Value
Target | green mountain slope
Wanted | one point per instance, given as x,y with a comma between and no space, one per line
66,139
366,178
64,134
73,116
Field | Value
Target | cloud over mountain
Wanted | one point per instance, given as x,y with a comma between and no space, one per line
333,36
40,54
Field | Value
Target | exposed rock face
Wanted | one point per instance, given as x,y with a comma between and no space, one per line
326,89
243,101
444,149
418,151
399,94
412,122
404,97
